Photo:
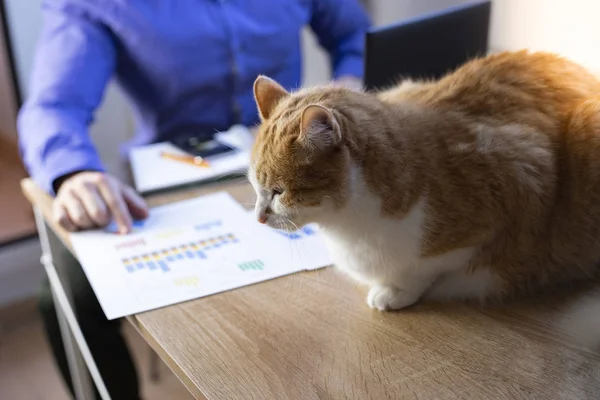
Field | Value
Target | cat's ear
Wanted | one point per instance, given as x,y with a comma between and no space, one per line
267,94
319,128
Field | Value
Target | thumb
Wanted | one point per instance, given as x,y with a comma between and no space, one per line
136,204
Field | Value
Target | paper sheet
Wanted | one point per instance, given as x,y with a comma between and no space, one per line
188,250
304,249
152,172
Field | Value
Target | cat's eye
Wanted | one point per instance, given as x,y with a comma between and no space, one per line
277,191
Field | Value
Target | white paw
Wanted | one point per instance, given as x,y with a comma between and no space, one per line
389,298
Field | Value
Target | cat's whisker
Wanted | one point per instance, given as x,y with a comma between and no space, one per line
233,176
292,223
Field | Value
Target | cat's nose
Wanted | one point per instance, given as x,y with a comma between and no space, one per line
262,218
263,215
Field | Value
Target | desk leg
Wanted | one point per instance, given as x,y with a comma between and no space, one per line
76,348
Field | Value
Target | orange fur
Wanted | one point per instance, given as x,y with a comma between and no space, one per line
506,150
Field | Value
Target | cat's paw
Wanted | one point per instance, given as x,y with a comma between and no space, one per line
385,298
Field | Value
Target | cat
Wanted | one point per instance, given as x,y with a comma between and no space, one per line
482,185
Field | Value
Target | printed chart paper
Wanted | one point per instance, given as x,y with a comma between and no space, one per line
188,250
304,249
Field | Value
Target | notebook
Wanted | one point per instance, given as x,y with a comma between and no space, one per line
152,172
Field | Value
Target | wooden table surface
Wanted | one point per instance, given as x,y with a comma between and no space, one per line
312,336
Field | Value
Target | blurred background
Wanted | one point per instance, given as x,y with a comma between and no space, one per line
567,27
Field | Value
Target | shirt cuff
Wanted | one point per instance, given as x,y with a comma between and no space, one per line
65,161
350,65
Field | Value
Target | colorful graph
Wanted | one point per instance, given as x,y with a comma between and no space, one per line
136,226
307,231
165,259
256,265
208,225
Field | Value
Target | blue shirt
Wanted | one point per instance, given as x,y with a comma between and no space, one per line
180,62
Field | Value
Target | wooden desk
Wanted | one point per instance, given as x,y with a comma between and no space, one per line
312,336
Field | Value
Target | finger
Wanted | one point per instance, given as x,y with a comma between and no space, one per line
61,217
77,212
136,204
118,209
94,205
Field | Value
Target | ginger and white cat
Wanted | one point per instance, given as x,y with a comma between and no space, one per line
482,185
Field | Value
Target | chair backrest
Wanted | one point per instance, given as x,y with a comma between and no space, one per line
428,46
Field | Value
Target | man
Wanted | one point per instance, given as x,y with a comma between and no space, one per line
185,65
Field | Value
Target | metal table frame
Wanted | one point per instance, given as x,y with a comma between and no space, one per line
81,363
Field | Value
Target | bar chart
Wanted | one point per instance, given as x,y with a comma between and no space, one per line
256,265
167,258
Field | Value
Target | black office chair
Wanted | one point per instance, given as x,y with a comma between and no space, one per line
426,47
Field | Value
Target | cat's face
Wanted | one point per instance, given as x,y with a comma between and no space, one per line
299,166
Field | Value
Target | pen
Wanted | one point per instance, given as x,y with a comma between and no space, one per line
184,158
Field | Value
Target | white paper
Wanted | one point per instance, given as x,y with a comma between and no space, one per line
304,249
152,172
188,250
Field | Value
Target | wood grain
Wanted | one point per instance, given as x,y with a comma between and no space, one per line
311,336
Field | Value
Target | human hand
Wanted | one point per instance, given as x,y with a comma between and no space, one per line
92,199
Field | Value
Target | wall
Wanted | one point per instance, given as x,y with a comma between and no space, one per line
570,28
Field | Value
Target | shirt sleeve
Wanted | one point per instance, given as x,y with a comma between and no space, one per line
74,60
341,26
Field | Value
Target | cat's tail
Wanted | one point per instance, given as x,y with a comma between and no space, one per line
580,320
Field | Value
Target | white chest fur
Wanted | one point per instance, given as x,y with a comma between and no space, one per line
385,253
